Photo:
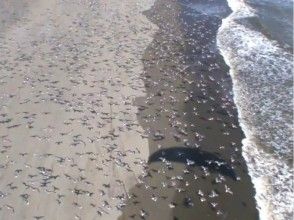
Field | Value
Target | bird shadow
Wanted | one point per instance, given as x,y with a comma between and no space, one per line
194,157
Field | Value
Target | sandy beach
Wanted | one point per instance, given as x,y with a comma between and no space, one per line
71,145
124,110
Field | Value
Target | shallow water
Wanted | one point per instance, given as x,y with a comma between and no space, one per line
274,18
255,42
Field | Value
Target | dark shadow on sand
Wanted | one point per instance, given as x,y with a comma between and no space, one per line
194,157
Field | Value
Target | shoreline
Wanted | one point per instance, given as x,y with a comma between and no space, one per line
268,156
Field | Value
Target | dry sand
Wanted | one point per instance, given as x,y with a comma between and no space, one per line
71,145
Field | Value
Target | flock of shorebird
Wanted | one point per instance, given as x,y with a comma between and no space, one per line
187,113
70,104
70,139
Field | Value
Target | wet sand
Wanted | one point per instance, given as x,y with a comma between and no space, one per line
195,170
71,145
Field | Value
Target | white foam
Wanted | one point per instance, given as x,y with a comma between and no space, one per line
262,83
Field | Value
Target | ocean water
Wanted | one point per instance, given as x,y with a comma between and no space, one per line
256,42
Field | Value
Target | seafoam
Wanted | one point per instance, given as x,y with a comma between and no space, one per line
262,84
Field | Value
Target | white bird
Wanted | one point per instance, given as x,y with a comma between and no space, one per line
172,205
190,162
228,190
200,193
